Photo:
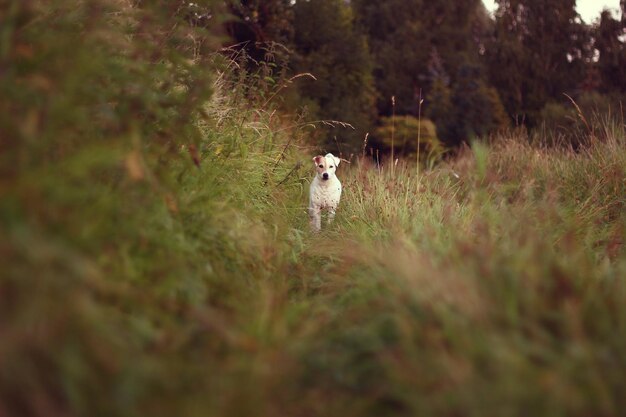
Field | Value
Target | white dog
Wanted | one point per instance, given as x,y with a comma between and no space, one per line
325,190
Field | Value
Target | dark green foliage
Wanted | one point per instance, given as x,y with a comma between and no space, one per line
402,35
612,59
329,47
439,106
467,109
530,53
477,108
403,132
265,20
572,124
538,52
260,23
394,30
455,29
425,49
318,39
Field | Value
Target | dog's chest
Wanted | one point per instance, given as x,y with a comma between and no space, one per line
326,195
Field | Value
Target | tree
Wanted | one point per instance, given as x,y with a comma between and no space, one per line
538,52
612,59
439,106
329,47
397,36
420,49
260,22
402,35
466,109
478,110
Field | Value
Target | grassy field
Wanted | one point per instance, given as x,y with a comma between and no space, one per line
161,264
492,284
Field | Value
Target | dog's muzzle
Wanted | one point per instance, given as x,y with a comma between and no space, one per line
325,176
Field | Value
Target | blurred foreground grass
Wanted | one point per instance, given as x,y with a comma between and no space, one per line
156,258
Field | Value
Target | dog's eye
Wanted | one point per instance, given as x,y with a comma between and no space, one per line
321,166
331,166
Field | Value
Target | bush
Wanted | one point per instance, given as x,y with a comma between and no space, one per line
401,134
574,122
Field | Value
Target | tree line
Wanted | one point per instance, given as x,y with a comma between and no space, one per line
451,64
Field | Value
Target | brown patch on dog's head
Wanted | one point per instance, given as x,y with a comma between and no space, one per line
326,166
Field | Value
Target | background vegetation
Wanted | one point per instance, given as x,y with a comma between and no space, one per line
156,258
477,74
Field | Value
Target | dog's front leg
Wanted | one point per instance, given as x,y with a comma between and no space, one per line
331,214
315,214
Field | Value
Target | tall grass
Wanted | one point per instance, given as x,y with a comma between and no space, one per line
498,290
171,271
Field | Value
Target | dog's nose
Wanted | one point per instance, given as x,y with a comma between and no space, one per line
325,175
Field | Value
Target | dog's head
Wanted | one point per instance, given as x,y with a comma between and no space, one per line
326,166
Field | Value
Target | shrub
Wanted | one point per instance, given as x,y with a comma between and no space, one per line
401,133
573,122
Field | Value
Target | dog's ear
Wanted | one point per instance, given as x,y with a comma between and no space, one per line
334,158
318,159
